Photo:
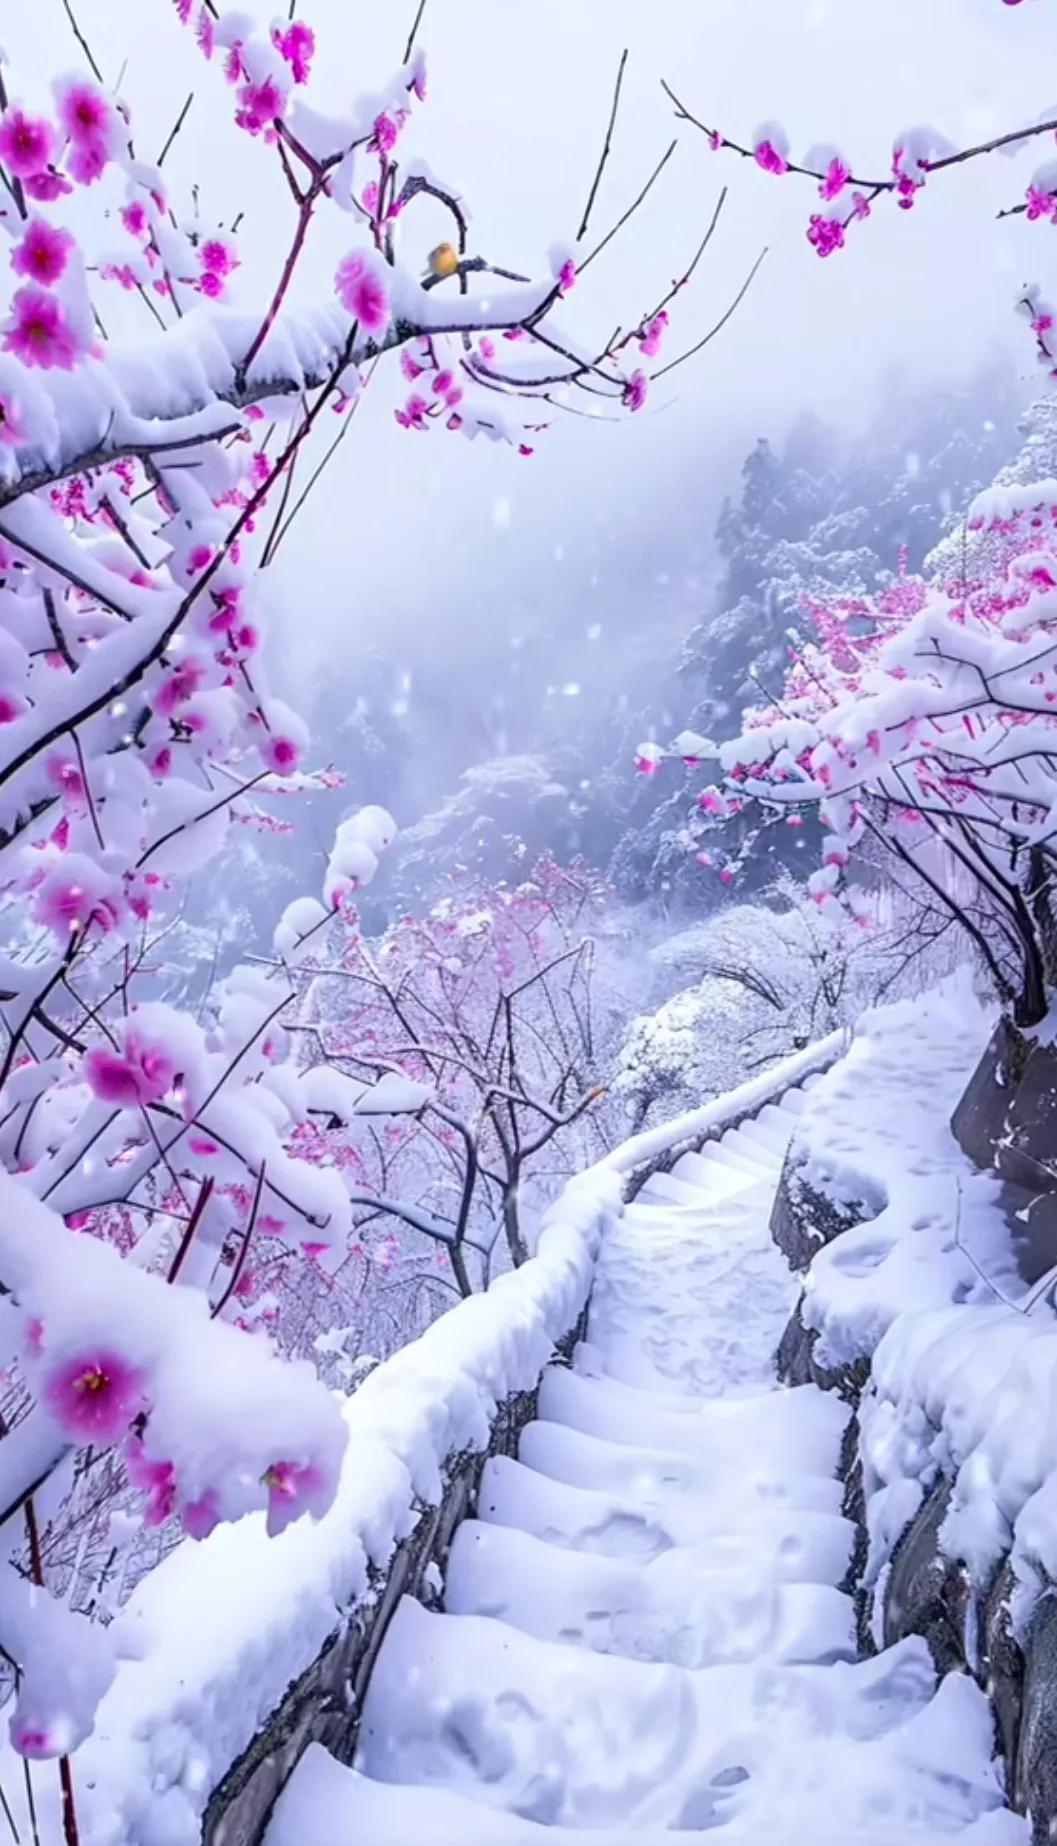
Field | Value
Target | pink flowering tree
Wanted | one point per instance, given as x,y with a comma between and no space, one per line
923,722
481,1030
145,484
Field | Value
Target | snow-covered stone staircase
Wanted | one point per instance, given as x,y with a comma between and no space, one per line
643,1631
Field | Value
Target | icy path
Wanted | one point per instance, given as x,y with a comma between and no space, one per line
643,1631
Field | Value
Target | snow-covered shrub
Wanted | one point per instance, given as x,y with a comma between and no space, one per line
762,981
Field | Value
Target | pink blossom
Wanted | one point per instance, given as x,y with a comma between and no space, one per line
362,288
281,754
34,1740
157,1479
860,205
65,775
827,234
297,45
1041,203
118,272
12,429
770,158
86,161
38,333
417,84
386,132
635,391
650,340
202,1516
259,105
94,1396
139,1074
567,276
415,413
218,257
205,34
26,143
907,184
835,178
43,254
293,1490
181,684
726,876
410,366
84,111
47,186
66,901
134,218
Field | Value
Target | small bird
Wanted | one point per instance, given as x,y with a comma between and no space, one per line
444,260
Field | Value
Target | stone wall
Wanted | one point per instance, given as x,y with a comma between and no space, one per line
802,1221
967,1625
323,1705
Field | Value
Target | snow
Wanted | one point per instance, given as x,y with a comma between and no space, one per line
684,1606
191,1697
395,1095
559,1735
690,1663
643,1632
697,1123
875,1134
323,1797
967,1392
190,1701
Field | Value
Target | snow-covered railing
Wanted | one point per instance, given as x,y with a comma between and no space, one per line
656,1150
241,1650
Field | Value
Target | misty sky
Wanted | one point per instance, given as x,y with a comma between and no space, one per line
412,535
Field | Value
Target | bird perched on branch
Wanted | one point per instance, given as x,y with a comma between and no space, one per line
444,260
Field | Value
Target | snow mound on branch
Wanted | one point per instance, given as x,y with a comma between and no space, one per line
875,1134
395,1095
